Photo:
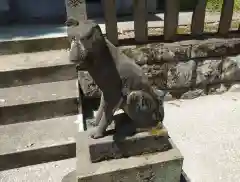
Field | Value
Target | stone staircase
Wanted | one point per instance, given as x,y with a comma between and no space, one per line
38,107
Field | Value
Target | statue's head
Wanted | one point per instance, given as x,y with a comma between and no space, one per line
86,42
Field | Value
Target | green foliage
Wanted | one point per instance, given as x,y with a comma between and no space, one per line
216,5
212,5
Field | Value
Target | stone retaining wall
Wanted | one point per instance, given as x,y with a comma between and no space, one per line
187,69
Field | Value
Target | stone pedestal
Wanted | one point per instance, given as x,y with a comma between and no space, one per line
140,158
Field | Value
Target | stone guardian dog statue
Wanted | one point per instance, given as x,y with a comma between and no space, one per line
122,82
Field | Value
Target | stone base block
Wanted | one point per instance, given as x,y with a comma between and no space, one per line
163,166
135,171
110,147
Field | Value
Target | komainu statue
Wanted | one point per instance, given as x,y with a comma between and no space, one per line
122,82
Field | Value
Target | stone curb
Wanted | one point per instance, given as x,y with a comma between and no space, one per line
141,143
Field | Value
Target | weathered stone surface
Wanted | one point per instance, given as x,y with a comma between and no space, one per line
170,75
175,52
88,86
158,53
180,74
208,71
215,48
231,68
184,50
140,57
168,66
217,89
191,94
157,74
148,71
168,171
142,143
159,166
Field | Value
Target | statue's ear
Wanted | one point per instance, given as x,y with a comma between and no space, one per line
71,22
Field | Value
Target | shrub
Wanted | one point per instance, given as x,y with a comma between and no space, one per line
216,5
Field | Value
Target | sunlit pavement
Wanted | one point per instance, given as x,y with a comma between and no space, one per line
207,132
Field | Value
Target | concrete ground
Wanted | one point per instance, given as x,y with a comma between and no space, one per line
205,129
207,132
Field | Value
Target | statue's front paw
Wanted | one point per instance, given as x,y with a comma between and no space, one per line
97,134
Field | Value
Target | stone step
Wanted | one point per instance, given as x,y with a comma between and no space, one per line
32,38
38,101
34,68
36,142
57,171
46,172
